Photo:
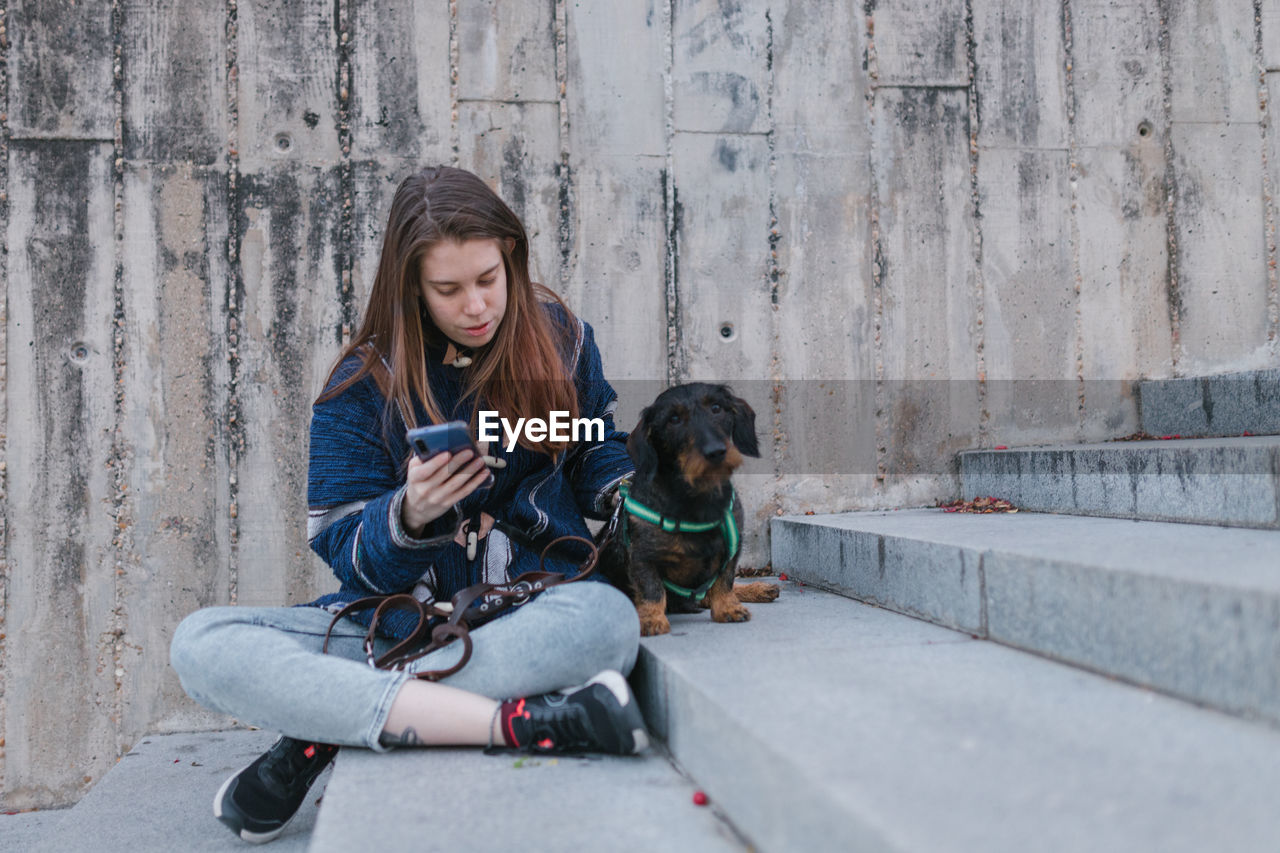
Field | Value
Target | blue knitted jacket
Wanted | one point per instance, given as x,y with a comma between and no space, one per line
356,485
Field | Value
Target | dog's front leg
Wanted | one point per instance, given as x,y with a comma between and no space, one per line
725,606
651,602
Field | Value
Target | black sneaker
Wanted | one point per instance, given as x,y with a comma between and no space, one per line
259,801
599,716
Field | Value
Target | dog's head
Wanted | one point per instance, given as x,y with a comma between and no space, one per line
698,432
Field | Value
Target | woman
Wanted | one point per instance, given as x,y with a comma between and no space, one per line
453,326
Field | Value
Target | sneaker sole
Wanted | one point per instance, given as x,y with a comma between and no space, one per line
236,825
617,685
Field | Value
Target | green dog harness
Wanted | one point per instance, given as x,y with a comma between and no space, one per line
727,526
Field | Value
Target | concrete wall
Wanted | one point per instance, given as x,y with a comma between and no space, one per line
900,228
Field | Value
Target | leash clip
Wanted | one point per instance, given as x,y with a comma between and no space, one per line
612,527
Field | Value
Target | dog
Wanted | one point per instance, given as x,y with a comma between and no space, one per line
672,543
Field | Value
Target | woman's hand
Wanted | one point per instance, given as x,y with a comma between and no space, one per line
436,485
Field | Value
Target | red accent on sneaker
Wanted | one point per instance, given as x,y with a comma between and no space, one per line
510,709
545,743
310,751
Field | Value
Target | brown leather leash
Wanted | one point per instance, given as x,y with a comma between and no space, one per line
467,610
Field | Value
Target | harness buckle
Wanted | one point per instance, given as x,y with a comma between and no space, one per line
525,589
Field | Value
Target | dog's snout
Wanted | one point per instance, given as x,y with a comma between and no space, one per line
710,440
714,453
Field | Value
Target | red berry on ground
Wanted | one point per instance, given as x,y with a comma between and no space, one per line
1002,447
699,798
783,577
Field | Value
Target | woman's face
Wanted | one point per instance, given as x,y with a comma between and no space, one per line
465,287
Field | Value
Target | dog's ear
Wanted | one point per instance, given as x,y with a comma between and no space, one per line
640,447
744,427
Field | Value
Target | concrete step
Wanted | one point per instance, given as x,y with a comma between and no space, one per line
159,797
463,799
1231,481
1230,404
1190,610
825,724
24,830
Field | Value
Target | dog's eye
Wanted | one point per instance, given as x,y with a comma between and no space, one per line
715,408
675,418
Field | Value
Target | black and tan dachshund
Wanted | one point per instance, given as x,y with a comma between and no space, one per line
674,543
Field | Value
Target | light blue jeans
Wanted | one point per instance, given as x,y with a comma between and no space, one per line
263,666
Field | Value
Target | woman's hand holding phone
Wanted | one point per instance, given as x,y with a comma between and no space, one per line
435,485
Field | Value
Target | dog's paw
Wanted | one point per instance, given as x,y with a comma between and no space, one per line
651,626
735,613
758,592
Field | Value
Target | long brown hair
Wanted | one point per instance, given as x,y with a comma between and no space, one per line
521,372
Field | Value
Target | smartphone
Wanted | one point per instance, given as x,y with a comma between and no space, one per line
452,437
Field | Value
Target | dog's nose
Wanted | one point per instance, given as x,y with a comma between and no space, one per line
714,454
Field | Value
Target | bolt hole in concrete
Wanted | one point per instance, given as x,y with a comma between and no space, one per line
1144,129
79,353
283,142
727,332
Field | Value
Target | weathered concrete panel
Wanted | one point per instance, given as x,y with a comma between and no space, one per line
1272,205
1122,256
400,101
1221,254
1212,61
373,186
173,63
1116,72
722,229
928,305
1221,296
719,66
1122,251
60,612
288,101
617,162
4,431
825,446
515,147
917,43
173,427
288,331
1271,34
60,70
1030,302
1024,207
926,233
1021,70
506,51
